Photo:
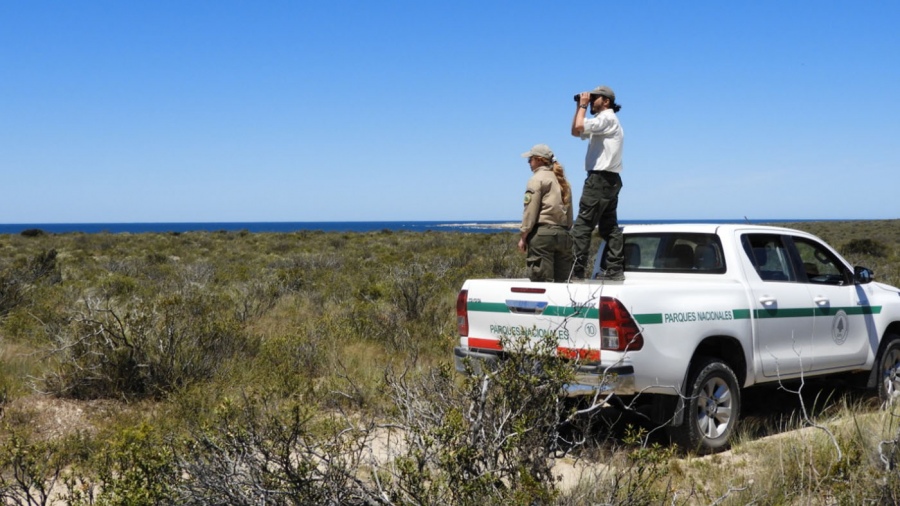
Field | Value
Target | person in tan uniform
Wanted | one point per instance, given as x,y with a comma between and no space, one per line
547,218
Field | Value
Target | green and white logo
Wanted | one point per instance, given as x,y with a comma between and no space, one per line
840,327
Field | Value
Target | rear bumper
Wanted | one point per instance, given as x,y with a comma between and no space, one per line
589,378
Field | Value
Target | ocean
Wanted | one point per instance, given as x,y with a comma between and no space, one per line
483,226
475,226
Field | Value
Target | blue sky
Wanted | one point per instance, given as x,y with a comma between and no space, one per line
185,111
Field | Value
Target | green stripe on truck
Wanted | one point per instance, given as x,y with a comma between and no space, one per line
657,318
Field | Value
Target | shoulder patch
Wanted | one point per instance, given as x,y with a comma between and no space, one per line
528,197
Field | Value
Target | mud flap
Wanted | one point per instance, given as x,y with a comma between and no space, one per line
667,410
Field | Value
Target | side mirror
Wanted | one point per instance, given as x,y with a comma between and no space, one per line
863,275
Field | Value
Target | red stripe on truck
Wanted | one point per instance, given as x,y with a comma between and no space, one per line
486,344
579,354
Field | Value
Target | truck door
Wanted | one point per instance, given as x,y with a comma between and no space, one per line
840,334
782,311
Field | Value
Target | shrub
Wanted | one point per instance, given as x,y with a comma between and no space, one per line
12,293
137,467
416,286
293,363
865,247
32,469
489,440
32,232
259,451
144,348
42,267
17,280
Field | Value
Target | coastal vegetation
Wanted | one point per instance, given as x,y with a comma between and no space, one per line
315,368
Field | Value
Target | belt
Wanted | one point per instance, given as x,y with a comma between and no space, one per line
544,225
603,173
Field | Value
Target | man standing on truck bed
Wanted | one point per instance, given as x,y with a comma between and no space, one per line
600,195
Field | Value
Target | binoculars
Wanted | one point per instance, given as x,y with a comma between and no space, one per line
578,96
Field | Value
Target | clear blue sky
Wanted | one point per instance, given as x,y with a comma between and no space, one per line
139,111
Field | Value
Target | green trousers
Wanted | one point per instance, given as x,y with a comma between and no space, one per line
597,208
549,255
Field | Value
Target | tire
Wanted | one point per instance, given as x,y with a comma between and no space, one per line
888,373
712,407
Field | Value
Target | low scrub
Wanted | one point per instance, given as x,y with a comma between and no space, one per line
281,366
865,247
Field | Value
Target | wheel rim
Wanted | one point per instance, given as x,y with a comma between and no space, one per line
890,372
714,404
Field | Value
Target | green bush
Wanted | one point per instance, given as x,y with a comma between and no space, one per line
136,466
865,247
32,232
12,293
140,348
33,469
21,277
261,451
487,440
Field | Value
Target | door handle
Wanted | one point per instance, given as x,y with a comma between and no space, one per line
821,301
766,300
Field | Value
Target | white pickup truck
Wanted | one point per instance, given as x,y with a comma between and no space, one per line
704,311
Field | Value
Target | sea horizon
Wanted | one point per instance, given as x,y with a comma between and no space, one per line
477,226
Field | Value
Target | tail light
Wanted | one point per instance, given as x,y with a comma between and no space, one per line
462,313
618,331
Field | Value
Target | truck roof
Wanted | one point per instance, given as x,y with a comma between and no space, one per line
707,228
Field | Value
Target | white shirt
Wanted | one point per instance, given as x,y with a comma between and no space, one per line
606,135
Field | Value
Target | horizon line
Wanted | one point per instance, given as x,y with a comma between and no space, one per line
450,221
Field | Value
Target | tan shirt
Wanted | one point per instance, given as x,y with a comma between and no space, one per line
543,202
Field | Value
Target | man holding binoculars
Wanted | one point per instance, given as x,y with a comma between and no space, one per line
600,196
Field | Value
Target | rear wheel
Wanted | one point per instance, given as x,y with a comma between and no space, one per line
712,408
888,364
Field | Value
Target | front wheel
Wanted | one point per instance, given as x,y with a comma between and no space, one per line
712,408
888,364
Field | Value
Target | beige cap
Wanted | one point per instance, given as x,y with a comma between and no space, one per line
604,91
539,150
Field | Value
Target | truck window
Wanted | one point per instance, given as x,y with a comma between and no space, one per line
819,265
769,257
674,252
